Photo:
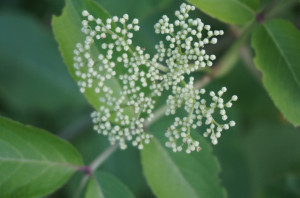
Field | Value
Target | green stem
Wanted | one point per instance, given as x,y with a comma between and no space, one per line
157,115
163,68
79,125
94,166
227,62
82,184
103,156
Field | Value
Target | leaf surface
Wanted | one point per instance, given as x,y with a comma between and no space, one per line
104,185
33,162
228,11
67,30
179,174
277,46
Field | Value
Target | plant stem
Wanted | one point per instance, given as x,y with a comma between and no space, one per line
93,166
82,184
157,114
77,126
228,60
163,68
222,68
103,156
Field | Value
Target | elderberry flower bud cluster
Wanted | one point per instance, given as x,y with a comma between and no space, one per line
183,52
127,81
199,112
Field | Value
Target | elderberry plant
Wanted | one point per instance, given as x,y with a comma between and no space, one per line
143,78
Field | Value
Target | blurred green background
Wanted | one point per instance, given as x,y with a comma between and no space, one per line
260,157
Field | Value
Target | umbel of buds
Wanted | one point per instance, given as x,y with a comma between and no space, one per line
127,81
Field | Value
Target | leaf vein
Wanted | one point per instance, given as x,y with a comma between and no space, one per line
290,68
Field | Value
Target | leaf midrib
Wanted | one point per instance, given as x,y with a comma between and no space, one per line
99,189
187,185
31,180
24,160
290,69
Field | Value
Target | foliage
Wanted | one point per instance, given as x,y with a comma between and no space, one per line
105,185
229,11
177,174
279,63
33,162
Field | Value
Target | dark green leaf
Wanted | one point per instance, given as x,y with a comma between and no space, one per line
229,11
104,185
277,47
179,174
117,7
33,162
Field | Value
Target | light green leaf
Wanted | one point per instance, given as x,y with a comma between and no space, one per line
67,30
229,11
277,47
117,7
179,174
104,185
33,162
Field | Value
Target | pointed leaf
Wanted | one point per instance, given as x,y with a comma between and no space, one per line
179,174
104,185
277,46
229,11
33,162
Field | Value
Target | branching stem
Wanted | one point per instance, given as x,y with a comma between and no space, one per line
89,170
103,156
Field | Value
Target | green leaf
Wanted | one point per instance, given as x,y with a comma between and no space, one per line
117,7
117,164
229,11
277,47
33,162
104,185
179,174
67,30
